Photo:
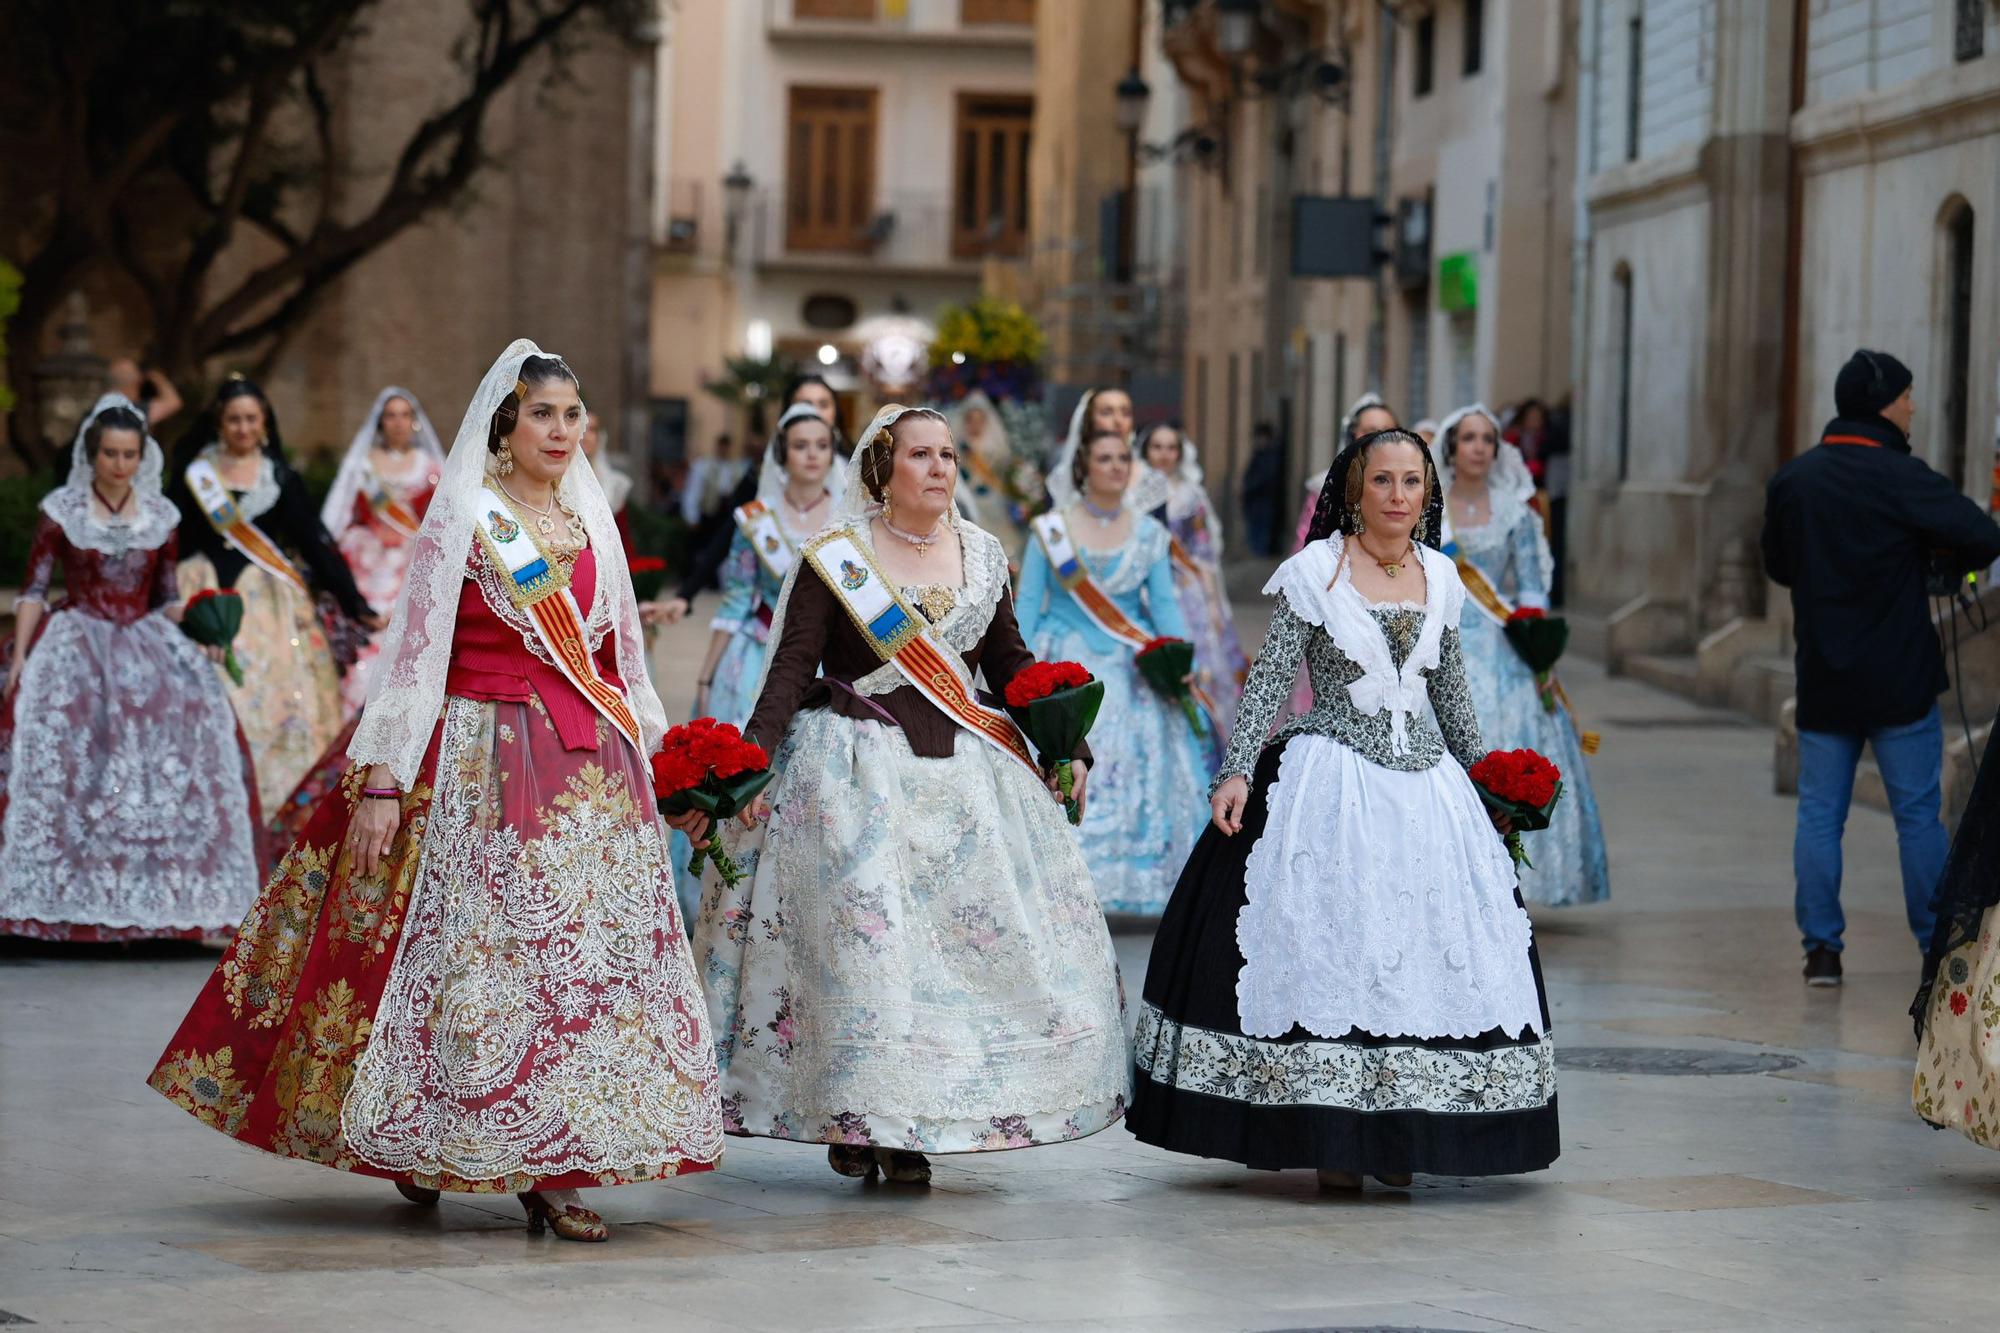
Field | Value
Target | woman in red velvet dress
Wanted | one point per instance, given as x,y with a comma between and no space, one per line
469,971
129,804
374,507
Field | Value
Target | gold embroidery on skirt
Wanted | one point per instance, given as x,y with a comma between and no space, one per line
313,1074
262,967
206,1085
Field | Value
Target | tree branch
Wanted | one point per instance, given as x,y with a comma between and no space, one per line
413,190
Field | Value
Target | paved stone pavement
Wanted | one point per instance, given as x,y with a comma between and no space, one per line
1805,1197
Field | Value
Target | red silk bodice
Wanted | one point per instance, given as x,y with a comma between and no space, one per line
119,588
490,660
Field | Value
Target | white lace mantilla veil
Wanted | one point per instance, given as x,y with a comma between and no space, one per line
338,511
1509,486
154,517
771,473
1182,492
1061,487
408,691
854,503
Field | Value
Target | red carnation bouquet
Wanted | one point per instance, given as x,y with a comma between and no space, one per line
649,575
706,765
1523,786
211,619
1055,704
1166,664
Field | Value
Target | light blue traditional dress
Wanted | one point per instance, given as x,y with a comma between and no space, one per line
1147,798
1511,555
761,553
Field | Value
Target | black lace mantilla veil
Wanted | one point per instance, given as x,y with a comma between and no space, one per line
1331,513
1971,882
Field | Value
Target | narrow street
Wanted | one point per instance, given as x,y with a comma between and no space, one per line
1738,1152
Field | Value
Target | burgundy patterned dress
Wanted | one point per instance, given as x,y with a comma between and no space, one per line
128,808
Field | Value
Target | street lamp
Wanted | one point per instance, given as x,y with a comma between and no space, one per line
736,187
1131,93
1236,26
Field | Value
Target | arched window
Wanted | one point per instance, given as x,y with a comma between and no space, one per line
1955,330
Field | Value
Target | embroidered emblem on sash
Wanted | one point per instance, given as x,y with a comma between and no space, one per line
772,545
852,576
504,529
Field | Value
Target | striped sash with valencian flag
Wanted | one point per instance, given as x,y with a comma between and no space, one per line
540,587
898,634
224,515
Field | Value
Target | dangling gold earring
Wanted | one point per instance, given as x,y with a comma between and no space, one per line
505,467
888,510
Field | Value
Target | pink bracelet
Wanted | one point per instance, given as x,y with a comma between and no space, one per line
384,793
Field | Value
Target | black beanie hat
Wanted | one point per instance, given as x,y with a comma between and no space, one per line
1869,382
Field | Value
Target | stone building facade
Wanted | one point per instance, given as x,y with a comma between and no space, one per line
1454,119
829,169
1766,188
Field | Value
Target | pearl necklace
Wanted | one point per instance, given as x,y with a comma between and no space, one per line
922,541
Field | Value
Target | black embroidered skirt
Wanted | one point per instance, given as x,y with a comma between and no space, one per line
1483,1105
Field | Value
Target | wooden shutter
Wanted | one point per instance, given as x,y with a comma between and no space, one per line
833,9
990,203
830,171
996,11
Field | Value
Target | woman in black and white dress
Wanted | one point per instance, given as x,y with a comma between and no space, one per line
1345,977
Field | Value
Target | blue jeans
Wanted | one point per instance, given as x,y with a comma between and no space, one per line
1912,762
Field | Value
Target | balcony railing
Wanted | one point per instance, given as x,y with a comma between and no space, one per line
898,232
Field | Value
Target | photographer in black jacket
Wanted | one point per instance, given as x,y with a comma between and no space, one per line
1852,527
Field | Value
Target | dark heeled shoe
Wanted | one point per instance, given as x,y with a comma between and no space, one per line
1394,1180
905,1168
416,1194
573,1222
856,1161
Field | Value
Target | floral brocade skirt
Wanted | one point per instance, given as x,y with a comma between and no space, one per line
289,701
507,1004
1957,1083
914,958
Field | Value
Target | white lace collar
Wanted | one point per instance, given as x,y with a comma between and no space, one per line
151,519
1318,586
256,502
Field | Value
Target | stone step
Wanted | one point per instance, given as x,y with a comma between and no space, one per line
1676,673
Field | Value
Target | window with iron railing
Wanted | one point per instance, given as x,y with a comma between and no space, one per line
830,168
990,208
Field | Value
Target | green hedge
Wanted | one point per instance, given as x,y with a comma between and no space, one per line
19,497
